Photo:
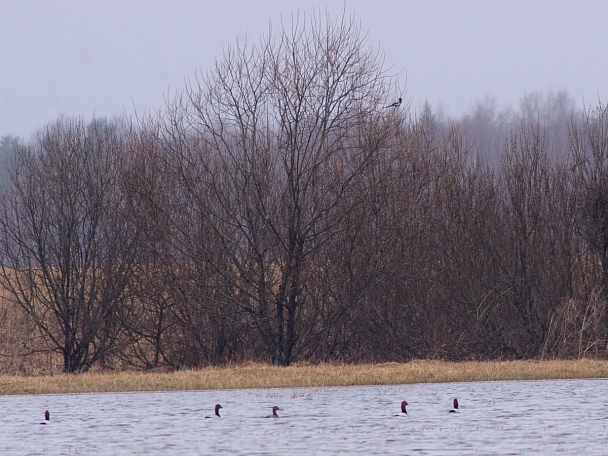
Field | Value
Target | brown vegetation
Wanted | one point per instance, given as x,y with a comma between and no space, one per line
278,212
253,375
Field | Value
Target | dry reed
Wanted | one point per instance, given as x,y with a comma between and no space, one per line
264,376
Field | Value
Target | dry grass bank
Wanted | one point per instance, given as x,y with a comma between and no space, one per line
264,376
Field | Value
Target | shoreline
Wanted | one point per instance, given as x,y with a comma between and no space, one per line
256,375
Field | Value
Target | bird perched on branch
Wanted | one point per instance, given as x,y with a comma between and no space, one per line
396,104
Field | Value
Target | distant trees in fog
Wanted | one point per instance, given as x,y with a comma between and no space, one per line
278,212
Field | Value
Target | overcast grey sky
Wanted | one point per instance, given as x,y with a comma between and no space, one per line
112,57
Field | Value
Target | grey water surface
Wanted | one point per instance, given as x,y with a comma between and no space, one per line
502,418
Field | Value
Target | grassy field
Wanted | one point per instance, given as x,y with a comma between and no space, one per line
264,376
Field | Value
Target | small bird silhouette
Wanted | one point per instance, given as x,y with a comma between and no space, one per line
274,412
396,104
455,409
47,417
217,410
403,410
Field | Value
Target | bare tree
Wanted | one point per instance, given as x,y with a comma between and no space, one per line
535,252
8,149
67,248
589,148
486,128
555,111
590,154
282,131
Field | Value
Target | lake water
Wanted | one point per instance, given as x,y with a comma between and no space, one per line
501,418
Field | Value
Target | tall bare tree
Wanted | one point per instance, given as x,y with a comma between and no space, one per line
67,249
282,129
589,148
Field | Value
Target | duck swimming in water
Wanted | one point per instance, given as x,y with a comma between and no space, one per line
455,409
47,418
403,410
217,411
274,412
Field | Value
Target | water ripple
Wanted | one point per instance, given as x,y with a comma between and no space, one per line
496,418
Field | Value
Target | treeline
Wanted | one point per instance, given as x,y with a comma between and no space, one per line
278,211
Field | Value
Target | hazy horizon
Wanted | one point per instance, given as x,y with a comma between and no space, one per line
90,59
